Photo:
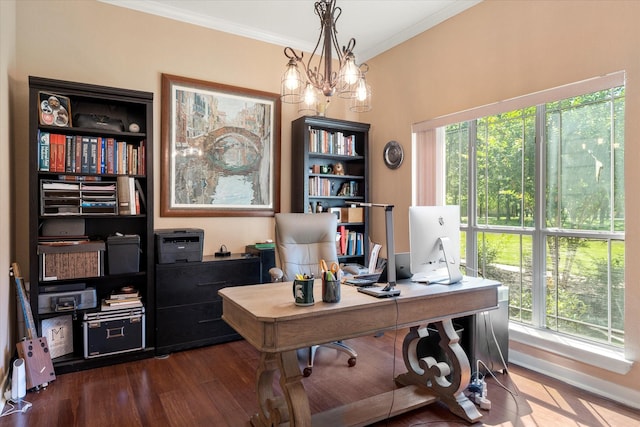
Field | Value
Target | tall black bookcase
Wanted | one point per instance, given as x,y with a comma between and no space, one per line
82,197
330,172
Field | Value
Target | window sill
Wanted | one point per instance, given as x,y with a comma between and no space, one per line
591,354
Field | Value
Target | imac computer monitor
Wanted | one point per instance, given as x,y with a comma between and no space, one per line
434,240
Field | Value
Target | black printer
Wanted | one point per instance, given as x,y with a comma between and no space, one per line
179,245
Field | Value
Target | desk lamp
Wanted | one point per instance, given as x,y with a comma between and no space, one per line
389,290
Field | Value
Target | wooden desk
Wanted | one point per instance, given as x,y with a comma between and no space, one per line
267,318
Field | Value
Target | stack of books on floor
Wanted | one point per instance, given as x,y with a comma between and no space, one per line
122,300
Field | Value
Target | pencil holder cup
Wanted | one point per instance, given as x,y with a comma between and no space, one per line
330,290
303,292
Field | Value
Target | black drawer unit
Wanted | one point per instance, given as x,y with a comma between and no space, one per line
188,308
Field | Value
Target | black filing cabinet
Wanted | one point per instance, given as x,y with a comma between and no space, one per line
188,307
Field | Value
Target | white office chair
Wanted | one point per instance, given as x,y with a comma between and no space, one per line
302,240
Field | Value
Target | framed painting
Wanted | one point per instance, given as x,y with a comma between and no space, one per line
220,149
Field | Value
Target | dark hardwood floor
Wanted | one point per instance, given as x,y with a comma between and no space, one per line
215,386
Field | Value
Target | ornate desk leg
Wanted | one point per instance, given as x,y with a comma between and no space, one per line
275,409
426,371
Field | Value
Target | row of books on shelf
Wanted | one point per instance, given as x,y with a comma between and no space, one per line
326,142
325,187
349,242
320,186
89,154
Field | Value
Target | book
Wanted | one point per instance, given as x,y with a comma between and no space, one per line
124,295
43,150
122,301
343,240
265,245
134,161
60,153
99,155
124,198
84,161
351,243
53,153
373,259
53,149
136,203
109,307
121,158
102,152
141,201
109,156
93,154
116,156
132,197
359,244
142,158
69,153
130,170
78,154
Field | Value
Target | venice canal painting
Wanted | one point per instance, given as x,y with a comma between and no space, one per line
222,150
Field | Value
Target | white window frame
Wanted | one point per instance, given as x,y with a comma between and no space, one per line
428,189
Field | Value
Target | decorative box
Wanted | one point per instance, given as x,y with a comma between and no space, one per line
113,332
352,215
59,334
71,260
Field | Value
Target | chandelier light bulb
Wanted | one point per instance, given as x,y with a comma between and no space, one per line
351,71
292,77
361,90
310,95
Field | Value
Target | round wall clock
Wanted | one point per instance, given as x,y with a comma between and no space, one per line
393,154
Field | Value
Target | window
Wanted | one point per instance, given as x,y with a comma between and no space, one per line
541,191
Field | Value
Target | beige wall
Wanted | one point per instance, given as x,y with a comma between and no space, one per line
133,54
499,50
7,296
494,51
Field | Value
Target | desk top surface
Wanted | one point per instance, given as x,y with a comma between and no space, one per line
274,301
266,316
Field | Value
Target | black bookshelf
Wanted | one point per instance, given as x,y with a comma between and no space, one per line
132,112
318,145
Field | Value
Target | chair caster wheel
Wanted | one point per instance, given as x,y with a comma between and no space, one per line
307,371
351,362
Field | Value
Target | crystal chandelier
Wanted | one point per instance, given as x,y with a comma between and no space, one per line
319,78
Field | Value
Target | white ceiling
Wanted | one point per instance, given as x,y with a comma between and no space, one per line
377,25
